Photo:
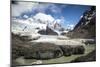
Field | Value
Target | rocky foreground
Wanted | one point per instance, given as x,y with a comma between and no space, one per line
45,47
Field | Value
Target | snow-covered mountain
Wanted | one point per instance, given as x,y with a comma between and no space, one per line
38,22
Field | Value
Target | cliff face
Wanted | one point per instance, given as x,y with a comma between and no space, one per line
86,27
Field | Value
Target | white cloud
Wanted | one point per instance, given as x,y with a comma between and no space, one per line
25,16
54,8
44,17
18,9
70,26
58,20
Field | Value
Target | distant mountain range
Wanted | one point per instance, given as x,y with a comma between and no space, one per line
36,25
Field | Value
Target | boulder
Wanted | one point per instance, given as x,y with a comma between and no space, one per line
67,50
43,51
78,49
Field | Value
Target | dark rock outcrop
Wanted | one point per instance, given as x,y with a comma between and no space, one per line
48,31
43,51
69,50
78,49
86,27
43,32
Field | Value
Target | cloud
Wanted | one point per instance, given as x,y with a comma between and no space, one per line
44,17
54,8
20,7
34,7
70,26
25,16
37,11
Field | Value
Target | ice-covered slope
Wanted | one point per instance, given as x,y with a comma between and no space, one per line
19,25
34,25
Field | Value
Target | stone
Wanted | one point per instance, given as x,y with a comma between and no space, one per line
67,50
78,49
43,51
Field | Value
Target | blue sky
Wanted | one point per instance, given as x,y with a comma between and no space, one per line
71,13
68,14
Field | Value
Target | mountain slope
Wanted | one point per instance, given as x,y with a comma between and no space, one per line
86,27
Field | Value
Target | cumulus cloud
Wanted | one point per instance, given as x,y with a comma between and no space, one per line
34,7
20,7
44,17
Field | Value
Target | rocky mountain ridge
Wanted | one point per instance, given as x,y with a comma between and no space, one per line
86,27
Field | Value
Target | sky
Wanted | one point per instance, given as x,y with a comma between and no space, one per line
66,14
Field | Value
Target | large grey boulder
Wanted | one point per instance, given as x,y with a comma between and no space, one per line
78,49
43,51
69,50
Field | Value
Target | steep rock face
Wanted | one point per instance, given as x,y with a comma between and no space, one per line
48,31
43,32
86,27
